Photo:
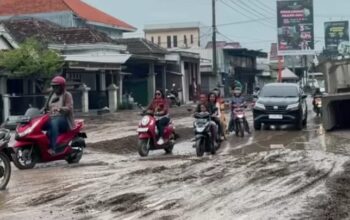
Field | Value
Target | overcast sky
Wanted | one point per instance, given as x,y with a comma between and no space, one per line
254,35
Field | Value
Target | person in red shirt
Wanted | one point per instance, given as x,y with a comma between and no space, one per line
160,108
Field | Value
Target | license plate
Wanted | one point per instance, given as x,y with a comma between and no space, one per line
142,129
275,116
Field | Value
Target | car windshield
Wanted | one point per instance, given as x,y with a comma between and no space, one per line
279,91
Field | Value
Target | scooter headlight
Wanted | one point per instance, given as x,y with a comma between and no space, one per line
145,120
28,130
25,132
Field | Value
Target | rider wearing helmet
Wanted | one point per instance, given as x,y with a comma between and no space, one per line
237,99
60,108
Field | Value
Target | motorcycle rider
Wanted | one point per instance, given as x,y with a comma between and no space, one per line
221,107
60,108
159,107
202,101
237,99
214,106
317,94
203,107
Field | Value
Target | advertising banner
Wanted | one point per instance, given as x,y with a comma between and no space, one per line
295,23
336,32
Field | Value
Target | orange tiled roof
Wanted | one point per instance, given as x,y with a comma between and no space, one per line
83,10
92,14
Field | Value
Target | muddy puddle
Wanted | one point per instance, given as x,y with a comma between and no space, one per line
279,184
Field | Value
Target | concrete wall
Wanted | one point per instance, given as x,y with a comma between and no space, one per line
208,83
180,33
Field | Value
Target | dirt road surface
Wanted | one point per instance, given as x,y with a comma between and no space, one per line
278,173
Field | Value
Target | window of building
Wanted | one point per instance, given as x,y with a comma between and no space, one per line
192,40
169,41
159,40
152,39
175,41
185,40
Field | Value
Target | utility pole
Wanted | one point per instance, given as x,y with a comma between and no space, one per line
215,67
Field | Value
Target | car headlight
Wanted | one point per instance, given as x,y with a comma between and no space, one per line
259,106
293,106
145,120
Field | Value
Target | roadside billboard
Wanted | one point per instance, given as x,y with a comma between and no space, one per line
336,32
295,27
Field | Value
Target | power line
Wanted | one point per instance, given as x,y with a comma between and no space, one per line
245,15
260,6
229,39
264,5
245,22
249,8
245,37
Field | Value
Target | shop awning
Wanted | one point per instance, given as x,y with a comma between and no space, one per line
111,59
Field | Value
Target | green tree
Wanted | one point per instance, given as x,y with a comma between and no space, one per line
32,60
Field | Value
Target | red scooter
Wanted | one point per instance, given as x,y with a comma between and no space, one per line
148,135
32,143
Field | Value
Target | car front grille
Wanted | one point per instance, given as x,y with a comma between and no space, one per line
276,108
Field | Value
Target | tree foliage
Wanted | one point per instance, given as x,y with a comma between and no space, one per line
31,60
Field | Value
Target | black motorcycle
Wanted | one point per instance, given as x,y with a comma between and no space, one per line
173,98
203,136
5,155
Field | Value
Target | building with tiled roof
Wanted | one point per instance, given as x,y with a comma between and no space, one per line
50,33
66,13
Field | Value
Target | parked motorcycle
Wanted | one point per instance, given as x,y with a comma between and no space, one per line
203,134
32,142
5,155
240,122
173,98
318,106
148,134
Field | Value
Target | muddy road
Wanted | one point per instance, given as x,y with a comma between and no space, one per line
278,173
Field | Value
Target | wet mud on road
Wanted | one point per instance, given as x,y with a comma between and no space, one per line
277,173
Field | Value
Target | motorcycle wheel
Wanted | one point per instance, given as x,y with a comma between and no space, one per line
26,163
236,123
75,157
143,147
200,146
170,148
5,171
240,128
213,148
